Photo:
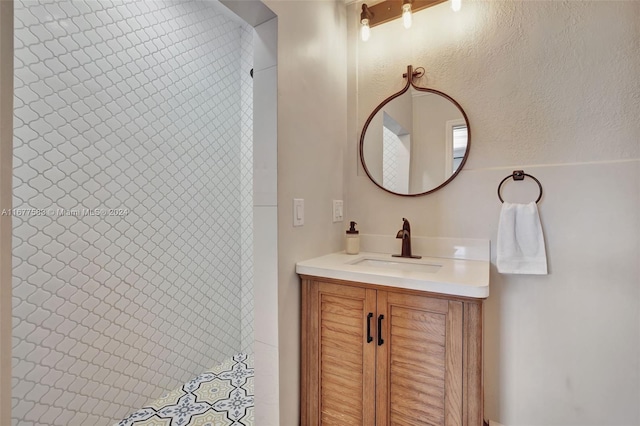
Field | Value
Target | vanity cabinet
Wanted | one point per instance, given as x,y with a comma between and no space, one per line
377,355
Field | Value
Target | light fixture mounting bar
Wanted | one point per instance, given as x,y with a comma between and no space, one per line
391,9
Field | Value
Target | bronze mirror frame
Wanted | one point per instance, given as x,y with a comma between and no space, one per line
410,76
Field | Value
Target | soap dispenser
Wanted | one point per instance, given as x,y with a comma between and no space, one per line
352,240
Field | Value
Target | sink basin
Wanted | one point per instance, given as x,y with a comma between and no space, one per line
399,265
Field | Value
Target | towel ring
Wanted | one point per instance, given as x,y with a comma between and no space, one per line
519,175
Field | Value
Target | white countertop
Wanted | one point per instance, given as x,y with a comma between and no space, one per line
451,276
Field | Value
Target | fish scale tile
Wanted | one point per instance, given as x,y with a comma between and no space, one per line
114,105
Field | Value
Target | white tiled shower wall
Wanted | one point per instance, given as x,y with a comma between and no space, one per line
246,188
137,106
390,147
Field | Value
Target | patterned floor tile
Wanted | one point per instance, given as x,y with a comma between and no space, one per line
222,396
210,418
154,421
166,399
213,391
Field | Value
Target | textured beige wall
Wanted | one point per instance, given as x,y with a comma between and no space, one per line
550,87
543,82
6,161
312,54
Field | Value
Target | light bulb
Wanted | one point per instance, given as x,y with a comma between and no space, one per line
406,15
456,5
365,30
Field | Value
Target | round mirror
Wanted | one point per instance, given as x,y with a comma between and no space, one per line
415,142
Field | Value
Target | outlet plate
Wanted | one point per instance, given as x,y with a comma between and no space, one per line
338,211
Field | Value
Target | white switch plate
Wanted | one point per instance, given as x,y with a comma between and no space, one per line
298,211
338,211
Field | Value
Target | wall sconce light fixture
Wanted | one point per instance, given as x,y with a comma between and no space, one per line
365,17
406,13
389,10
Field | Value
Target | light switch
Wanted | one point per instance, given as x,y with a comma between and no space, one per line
338,215
298,211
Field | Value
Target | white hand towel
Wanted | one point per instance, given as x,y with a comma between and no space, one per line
520,240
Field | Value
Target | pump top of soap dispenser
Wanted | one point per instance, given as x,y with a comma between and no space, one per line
352,229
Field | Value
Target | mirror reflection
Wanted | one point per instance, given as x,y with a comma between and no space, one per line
415,143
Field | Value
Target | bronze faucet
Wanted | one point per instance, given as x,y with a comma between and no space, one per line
405,235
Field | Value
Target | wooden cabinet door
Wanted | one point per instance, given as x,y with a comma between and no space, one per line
341,361
419,361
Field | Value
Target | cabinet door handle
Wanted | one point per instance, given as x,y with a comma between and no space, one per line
380,340
369,338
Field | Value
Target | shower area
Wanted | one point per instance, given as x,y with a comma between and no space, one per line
133,214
